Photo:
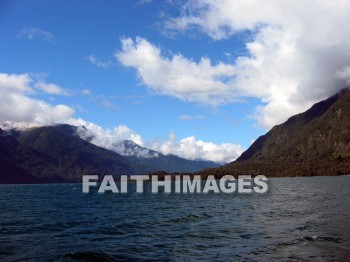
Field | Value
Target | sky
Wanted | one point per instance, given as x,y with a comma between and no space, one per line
197,78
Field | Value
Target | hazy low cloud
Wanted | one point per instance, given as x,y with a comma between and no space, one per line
33,32
129,148
298,53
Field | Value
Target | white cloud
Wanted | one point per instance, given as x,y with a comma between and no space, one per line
17,106
112,139
18,109
188,148
178,76
188,117
95,61
194,149
13,83
106,137
52,89
298,53
33,32
129,148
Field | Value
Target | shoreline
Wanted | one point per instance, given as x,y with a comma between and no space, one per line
133,181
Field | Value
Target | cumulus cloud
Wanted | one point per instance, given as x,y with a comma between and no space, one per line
188,148
177,76
192,148
95,61
297,54
18,109
33,32
120,139
106,137
16,105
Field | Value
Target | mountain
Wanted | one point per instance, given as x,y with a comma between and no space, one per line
130,148
53,154
160,162
13,156
147,157
316,142
49,154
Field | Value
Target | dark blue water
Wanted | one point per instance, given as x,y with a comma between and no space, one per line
298,219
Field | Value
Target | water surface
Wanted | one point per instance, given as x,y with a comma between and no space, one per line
298,219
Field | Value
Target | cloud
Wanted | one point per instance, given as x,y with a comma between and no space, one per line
106,137
16,105
194,149
188,117
178,76
129,148
51,89
298,52
188,148
344,74
19,110
33,32
116,139
95,61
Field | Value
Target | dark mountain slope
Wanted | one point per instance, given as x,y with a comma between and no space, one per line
70,153
11,153
50,154
316,142
172,163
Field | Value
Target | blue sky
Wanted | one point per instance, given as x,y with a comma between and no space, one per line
78,46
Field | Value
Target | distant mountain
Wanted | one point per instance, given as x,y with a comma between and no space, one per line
316,142
130,148
57,154
158,161
147,157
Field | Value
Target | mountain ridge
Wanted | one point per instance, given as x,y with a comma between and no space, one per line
315,142
53,154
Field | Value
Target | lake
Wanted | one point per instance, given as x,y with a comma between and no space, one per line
298,219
